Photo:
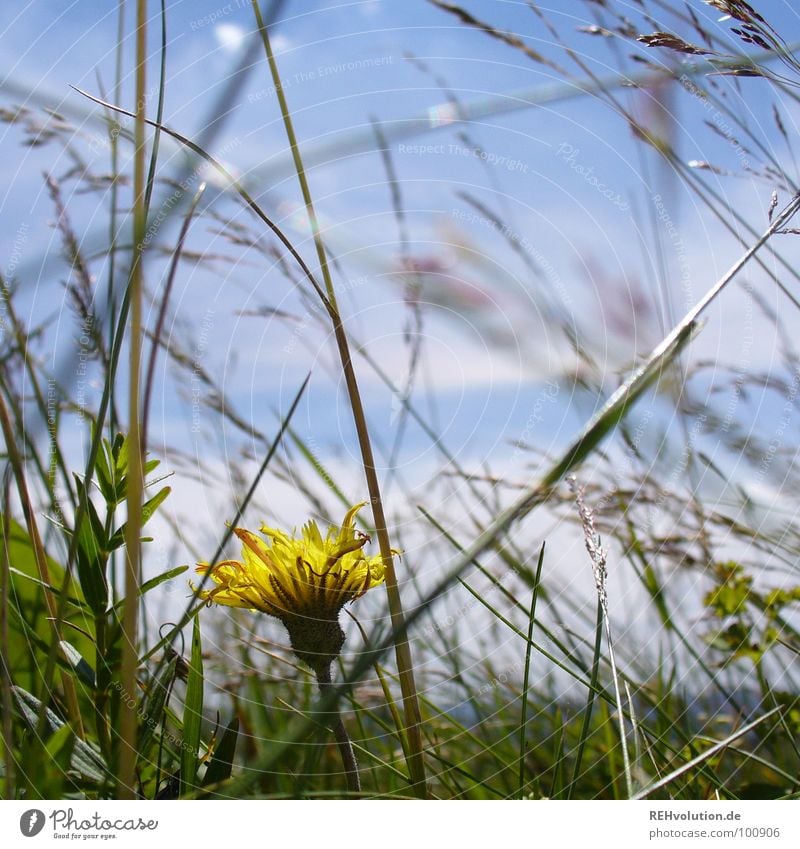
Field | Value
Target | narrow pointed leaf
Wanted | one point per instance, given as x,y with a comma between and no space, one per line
220,767
193,713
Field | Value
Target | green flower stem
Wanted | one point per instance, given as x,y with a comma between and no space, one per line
413,719
323,674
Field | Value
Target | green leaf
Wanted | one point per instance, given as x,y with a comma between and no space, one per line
159,579
112,469
85,759
98,528
220,767
92,554
59,748
148,509
103,474
30,631
120,454
76,660
91,561
192,713
155,701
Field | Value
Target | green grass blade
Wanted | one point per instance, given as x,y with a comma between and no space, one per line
192,714
526,675
704,756
221,764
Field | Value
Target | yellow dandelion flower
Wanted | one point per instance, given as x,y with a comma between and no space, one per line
303,581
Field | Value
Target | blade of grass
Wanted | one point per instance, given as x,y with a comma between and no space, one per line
526,675
162,310
321,471
600,572
704,756
405,666
220,766
192,714
590,699
192,607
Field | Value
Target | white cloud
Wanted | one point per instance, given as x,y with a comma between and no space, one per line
230,37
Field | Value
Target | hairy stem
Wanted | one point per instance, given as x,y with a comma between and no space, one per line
340,733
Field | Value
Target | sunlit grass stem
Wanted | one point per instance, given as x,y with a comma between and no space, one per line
402,649
128,716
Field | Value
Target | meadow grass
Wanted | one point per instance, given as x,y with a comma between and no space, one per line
526,691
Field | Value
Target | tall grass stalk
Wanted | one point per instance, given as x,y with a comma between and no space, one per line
128,706
405,666
600,570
